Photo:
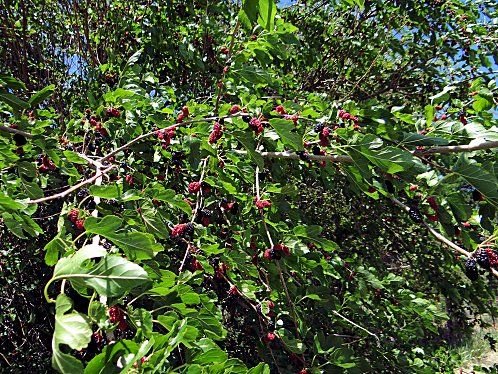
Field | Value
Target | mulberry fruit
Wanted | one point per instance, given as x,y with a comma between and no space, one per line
415,215
194,187
183,230
318,128
482,258
471,269
492,257
280,110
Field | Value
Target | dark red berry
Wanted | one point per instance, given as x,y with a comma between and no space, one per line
73,215
185,111
234,109
194,187
280,109
482,259
262,204
80,224
129,179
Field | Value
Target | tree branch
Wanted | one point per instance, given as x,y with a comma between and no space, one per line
440,237
15,131
72,189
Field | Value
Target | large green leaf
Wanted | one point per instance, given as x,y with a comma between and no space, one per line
13,101
267,13
389,159
41,95
11,82
287,133
248,14
112,276
136,245
247,140
478,177
72,329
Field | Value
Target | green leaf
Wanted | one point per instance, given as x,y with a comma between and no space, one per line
153,223
429,114
247,140
443,95
11,82
248,14
13,225
58,245
41,95
74,158
478,177
482,103
7,203
13,101
136,245
105,361
109,191
390,159
261,368
267,12
112,276
71,329
287,133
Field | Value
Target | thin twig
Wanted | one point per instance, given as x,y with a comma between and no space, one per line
72,189
440,237
15,131
355,324
172,127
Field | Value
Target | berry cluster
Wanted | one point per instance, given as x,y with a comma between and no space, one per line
195,265
471,269
275,253
113,112
233,291
486,258
117,315
97,126
182,230
194,187
129,180
234,109
348,116
256,125
221,270
415,214
280,110
165,135
79,223
324,136
205,216
184,113
46,165
229,206
216,134
294,117
262,204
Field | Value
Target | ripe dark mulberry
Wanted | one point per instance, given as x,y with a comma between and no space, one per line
482,259
318,128
183,230
471,269
415,215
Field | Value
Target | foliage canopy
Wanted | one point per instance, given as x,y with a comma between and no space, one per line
246,188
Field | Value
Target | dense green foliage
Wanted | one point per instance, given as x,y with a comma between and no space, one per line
222,187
